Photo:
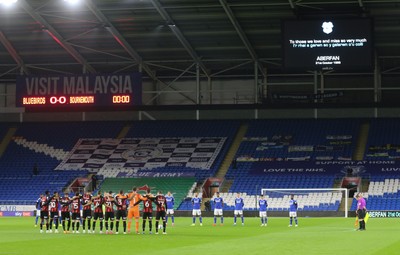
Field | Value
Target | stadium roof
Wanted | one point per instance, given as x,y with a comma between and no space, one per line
167,38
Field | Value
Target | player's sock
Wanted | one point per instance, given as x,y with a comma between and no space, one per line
94,225
56,224
194,220
215,219
262,221
143,225
73,226
234,219
47,226
295,220
242,219
51,224
69,224
106,225
266,220
222,220
129,225
63,225
201,220
111,225
36,220
164,226
117,226
124,224
88,225
172,219
101,226
83,224
41,225
150,225
77,226
156,226
166,218
291,220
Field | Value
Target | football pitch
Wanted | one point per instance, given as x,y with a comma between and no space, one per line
313,236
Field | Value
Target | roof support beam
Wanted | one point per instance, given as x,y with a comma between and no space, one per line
291,4
119,38
56,36
11,50
167,18
240,32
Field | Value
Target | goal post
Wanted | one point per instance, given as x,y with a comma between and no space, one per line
314,199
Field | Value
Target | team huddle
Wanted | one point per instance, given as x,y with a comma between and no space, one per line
106,208
110,210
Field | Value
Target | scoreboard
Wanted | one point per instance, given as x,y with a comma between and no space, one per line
86,91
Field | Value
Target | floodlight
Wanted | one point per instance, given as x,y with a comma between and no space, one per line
8,2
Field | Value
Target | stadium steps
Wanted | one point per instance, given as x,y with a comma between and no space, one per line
232,151
203,204
362,141
6,140
124,132
226,186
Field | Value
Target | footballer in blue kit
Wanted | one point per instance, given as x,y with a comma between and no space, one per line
196,202
292,211
218,208
263,204
239,204
169,198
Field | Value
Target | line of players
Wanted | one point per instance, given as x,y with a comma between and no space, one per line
238,211
104,208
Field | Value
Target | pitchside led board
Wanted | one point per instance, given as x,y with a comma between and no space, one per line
83,92
327,44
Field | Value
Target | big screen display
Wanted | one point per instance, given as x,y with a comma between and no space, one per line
328,44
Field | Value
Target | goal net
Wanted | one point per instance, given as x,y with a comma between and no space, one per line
317,199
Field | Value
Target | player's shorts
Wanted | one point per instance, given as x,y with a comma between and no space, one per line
147,215
263,214
66,215
196,212
170,211
292,214
161,215
76,216
87,214
109,216
120,214
218,212
133,213
361,214
44,214
53,215
238,212
98,215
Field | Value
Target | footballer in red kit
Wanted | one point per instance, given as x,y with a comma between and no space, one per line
109,215
66,212
147,210
44,211
87,211
120,201
98,202
161,204
76,214
53,208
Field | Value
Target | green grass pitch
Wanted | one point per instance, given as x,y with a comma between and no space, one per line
313,236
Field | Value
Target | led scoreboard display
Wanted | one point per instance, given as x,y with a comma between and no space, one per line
79,91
